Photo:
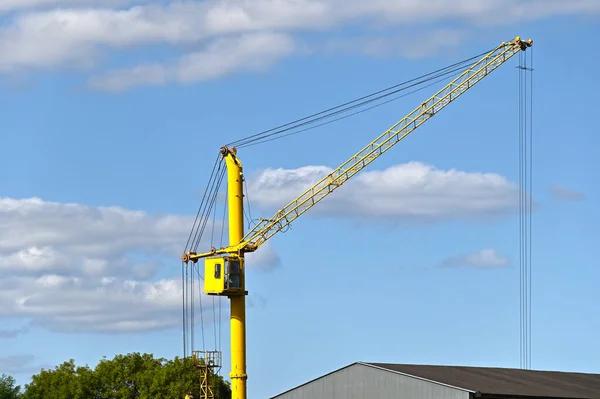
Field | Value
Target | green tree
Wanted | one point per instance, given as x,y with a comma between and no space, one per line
66,381
8,388
127,376
131,376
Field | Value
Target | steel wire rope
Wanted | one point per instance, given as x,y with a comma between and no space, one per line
522,267
530,194
192,311
211,193
184,270
252,140
183,266
521,300
214,222
187,295
249,216
201,203
238,142
196,234
206,208
354,113
525,213
217,326
210,204
528,214
221,245
525,208
215,321
201,309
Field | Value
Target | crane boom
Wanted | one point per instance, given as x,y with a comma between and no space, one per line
267,228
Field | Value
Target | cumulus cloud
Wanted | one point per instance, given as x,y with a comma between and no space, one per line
562,193
485,258
79,32
71,267
34,231
76,304
413,191
250,52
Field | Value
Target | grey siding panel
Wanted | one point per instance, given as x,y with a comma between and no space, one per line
363,382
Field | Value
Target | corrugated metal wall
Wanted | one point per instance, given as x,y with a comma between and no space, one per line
363,382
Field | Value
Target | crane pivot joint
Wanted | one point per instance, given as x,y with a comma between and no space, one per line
226,150
188,257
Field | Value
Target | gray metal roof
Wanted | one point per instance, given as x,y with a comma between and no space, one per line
505,381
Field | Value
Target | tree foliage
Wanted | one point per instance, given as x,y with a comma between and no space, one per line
131,376
8,388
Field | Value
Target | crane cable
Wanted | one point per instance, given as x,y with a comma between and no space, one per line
185,278
189,278
525,204
450,74
361,101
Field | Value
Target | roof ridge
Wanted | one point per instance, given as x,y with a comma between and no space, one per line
476,367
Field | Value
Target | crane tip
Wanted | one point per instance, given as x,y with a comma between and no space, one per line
523,43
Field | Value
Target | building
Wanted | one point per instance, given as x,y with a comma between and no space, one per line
403,381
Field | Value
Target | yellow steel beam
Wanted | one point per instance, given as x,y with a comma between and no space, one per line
235,198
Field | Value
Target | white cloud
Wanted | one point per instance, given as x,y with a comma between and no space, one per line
65,36
250,52
11,5
394,45
37,233
265,258
70,267
78,33
64,303
413,191
562,193
485,258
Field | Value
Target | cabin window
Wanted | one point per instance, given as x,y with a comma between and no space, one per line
234,274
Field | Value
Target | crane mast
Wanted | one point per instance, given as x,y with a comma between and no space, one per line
224,268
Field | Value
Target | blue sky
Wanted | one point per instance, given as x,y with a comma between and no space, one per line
113,113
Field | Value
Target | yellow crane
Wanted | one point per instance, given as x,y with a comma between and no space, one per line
224,268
